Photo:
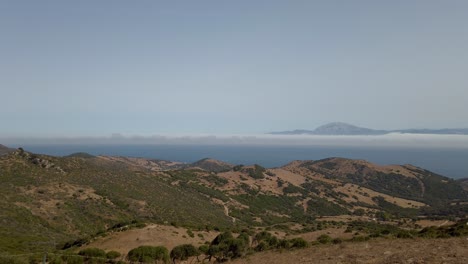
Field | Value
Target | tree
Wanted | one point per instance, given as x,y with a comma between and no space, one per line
149,254
225,246
183,252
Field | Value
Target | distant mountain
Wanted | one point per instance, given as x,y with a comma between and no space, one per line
80,155
211,165
339,128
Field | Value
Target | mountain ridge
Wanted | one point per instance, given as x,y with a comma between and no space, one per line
5,150
74,198
340,128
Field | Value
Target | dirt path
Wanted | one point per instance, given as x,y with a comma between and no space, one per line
226,212
226,208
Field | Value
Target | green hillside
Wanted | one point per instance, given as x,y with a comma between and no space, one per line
69,200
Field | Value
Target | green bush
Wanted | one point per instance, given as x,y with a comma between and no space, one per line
225,246
92,252
11,260
190,233
284,244
73,259
324,239
112,254
256,172
93,255
337,241
148,254
298,242
204,248
183,252
360,238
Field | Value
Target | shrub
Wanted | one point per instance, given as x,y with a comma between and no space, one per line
204,248
284,244
73,259
183,252
112,254
337,241
256,172
324,239
92,252
11,260
404,234
148,254
298,242
190,233
225,246
360,238
93,255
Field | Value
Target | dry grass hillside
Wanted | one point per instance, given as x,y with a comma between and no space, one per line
383,251
78,198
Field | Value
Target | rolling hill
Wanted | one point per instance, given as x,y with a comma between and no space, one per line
5,150
72,199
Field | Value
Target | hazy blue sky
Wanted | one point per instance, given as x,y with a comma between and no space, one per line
149,67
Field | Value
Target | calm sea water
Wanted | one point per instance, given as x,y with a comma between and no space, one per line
448,162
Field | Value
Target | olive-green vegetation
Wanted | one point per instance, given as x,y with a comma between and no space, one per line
149,254
257,172
271,209
225,246
439,189
430,188
373,229
68,200
59,203
321,206
183,252
93,255
212,165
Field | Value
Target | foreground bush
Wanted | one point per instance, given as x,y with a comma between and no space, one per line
183,252
149,254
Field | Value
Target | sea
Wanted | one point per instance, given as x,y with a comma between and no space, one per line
449,162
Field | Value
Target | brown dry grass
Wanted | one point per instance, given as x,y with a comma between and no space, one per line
153,235
288,176
356,190
454,250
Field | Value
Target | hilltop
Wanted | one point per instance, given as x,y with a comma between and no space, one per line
5,150
77,198
340,128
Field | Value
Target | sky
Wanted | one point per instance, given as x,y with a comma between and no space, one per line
96,68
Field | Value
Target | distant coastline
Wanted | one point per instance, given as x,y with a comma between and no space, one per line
450,162
339,128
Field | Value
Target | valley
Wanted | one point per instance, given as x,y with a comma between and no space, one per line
120,203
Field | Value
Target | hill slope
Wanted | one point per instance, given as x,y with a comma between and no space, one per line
5,150
70,199
451,250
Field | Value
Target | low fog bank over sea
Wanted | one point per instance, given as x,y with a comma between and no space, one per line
443,154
